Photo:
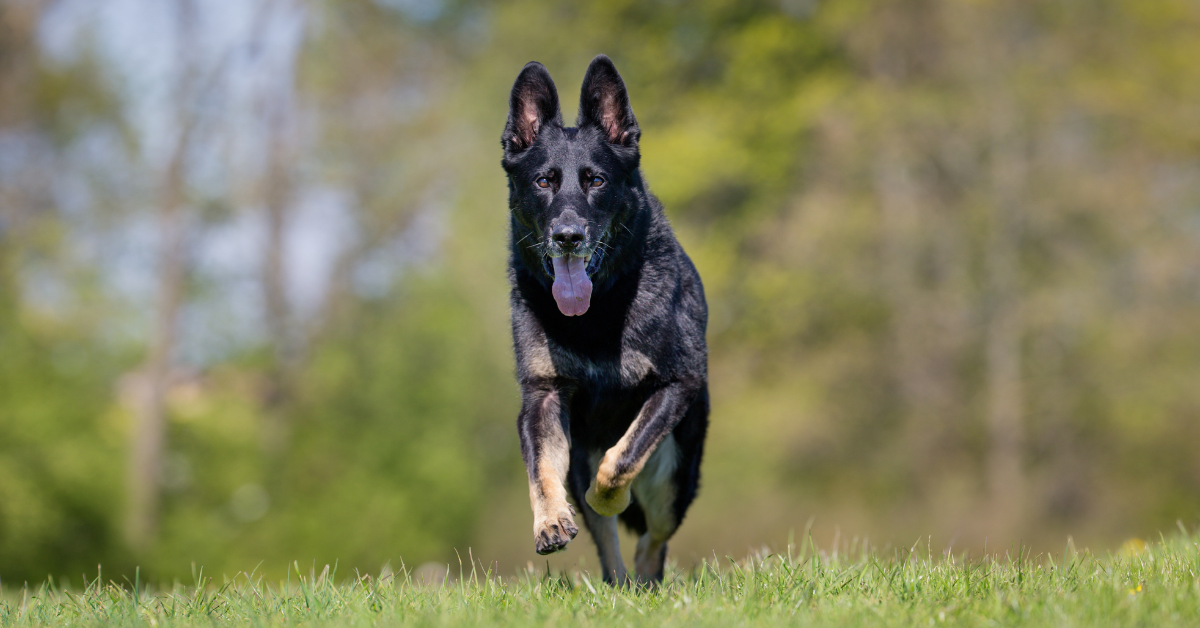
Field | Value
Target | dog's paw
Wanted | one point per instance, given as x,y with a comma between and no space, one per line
608,502
552,533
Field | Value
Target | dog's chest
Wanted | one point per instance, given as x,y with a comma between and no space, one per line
544,358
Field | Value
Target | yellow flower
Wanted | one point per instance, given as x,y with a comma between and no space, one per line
1133,547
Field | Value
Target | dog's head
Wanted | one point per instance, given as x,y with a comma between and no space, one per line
570,187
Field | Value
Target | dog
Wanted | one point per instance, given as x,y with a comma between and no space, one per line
608,319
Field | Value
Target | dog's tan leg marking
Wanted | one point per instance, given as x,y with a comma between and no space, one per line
534,362
538,363
654,489
553,520
609,492
634,366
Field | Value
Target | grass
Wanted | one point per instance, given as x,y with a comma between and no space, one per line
1144,585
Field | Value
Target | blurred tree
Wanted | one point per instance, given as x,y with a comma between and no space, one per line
148,433
59,478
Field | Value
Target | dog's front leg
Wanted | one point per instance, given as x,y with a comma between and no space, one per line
543,425
609,493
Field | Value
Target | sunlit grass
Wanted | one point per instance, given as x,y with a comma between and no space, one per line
1151,585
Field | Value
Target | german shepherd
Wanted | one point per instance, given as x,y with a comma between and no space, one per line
608,317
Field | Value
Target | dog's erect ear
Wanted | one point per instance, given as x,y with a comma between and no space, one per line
533,105
605,103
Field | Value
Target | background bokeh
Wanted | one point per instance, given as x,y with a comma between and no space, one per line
253,305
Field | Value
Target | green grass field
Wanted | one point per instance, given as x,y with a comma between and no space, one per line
1154,585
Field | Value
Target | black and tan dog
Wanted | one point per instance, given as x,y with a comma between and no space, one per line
608,319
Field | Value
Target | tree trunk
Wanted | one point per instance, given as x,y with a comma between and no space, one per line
277,195
148,438
899,223
149,403
1005,401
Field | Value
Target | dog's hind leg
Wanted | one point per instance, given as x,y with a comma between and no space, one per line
649,439
603,529
608,545
655,492
666,487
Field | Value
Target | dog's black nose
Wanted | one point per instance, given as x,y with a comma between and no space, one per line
568,236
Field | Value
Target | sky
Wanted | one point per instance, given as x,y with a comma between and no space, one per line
243,54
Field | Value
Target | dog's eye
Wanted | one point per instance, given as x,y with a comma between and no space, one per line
543,182
597,181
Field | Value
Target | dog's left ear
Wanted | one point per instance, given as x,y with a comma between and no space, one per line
532,105
604,102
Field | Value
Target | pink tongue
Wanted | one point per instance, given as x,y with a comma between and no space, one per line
572,289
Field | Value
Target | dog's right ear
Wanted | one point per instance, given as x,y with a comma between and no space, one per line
533,105
604,103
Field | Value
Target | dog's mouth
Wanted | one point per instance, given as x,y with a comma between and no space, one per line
572,274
